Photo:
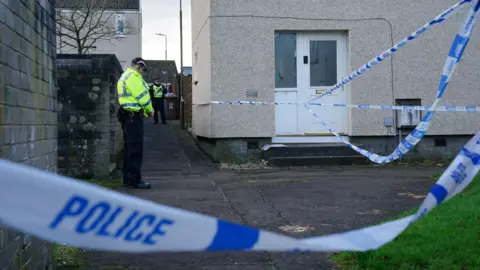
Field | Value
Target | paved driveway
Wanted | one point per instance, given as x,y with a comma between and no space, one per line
301,202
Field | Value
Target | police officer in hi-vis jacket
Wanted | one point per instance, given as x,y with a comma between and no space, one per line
135,104
157,93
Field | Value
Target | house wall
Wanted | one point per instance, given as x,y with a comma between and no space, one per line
241,56
128,47
125,48
28,116
201,67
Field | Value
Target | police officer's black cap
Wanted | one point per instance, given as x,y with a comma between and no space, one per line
139,61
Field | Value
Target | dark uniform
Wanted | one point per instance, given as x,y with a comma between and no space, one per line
157,93
135,104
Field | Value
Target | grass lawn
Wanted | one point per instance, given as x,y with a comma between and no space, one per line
447,238
69,257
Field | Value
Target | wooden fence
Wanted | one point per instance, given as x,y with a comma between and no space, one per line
187,97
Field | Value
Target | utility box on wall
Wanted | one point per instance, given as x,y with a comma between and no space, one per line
407,119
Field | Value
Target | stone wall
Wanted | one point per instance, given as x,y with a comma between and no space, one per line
237,151
28,118
89,134
429,148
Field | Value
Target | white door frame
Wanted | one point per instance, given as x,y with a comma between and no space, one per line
299,114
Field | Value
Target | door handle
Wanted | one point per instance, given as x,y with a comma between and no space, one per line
305,59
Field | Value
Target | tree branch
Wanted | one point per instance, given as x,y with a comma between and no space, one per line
66,43
84,25
61,34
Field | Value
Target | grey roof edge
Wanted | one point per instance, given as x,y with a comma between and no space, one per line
108,5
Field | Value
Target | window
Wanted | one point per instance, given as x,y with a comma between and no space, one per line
120,24
58,14
323,62
285,60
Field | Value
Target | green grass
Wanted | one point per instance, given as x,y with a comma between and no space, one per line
67,257
447,238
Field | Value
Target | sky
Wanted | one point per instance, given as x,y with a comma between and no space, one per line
163,16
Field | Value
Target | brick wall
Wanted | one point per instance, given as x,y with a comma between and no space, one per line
187,97
89,134
28,118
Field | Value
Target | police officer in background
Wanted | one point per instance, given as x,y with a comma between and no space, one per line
135,104
157,93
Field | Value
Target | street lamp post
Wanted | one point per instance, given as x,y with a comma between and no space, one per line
160,34
182,120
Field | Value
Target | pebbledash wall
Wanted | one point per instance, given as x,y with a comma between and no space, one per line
28,118
233,51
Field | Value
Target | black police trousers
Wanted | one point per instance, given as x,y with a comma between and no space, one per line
132,126
159,106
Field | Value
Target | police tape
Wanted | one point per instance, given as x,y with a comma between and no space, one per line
454,55
437,20
357,106
64,210
456,51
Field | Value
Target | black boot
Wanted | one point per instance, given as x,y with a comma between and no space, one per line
141,185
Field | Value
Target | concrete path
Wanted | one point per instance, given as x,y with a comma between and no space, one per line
322,200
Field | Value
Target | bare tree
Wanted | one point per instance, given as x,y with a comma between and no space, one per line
84,22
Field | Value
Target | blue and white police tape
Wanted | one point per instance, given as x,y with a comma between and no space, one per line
455,54
437,20
76,213
362,106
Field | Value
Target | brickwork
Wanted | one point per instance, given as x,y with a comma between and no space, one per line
89,135
28,118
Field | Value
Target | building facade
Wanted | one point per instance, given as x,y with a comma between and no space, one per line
292,51
121,23
164,71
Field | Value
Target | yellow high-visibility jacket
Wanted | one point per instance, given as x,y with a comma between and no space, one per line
133,92
157,91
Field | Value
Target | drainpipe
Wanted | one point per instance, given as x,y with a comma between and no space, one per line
182,120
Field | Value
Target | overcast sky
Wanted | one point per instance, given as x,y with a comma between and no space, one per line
162,16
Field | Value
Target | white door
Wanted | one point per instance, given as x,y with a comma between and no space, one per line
321,61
